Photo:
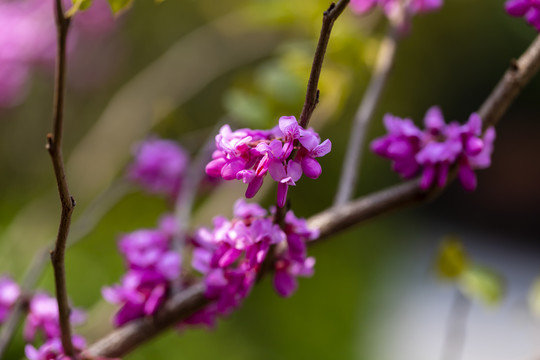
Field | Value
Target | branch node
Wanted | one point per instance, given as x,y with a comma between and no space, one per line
49,144
73,202
330,8
514,66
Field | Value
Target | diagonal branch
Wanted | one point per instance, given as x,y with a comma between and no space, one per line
329,222
312,94
54,146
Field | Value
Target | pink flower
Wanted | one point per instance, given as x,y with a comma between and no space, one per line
159,166
9,293
437,148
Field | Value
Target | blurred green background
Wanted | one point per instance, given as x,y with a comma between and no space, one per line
177,67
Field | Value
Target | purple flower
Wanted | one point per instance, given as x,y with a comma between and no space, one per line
392,7
529,9
231,254
159,166
9,293
437,149
28,40
52,349
400,145
286,272
141,293
43,316
248,155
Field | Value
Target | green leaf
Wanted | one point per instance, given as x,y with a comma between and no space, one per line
534,297
78,5
451,259
482,284
119,5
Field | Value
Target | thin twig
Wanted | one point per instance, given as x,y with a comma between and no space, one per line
79,229
312,94
456,327
54,146
123,340
351,164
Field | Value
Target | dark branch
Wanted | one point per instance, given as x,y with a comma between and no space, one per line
54,146
312,94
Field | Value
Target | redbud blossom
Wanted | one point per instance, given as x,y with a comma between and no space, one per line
436,149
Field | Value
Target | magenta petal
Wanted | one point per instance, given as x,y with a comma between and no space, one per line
362,6
428,175
474,146
156,298
254,186
284,283
517,7
309,140
213,168
229,257
322,149
289,127
311,168
434,119
442,174
282,194
467,176
277,170
294,170
230,170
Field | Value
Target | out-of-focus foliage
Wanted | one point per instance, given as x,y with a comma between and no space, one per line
119,5
482,284
476,282
452,259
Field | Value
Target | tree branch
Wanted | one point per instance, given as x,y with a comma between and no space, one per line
518,75
54,146
329,222
351,165
312,94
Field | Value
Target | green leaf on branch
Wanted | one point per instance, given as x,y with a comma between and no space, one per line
452,259
119,5
78,5
482,284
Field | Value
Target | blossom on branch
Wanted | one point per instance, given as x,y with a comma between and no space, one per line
392,8
9,293
248,155
231,255
436,149
152,266
43,316
529,9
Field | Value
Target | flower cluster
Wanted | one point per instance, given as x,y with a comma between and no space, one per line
9,293
248,155
231,254
152,265
530,9
393,7
434,150
43,318
159,166
28,38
